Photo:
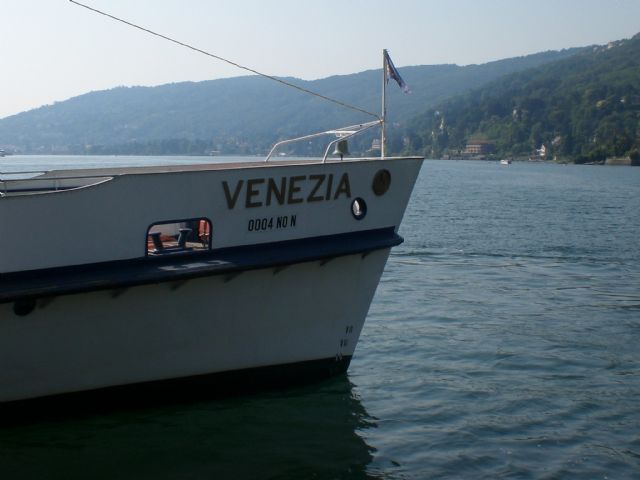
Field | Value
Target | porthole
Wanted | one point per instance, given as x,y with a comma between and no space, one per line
358,208
381,182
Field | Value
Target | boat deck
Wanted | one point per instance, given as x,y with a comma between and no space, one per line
96,172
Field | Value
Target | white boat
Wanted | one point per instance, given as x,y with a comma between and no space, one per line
505,161
174,280
278,290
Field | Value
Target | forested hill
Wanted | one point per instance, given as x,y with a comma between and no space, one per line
238,115
584,108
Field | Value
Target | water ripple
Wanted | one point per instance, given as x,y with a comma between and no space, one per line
513,352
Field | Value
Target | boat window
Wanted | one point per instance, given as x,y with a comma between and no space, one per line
181,236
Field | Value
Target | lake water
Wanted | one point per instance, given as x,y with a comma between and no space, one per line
503,342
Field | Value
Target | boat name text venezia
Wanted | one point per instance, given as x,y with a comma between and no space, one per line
260,192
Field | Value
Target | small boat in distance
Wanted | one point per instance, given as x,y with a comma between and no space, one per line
505,161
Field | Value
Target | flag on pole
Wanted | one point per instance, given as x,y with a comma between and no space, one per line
392,72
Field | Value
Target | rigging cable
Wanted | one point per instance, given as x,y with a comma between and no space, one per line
279,80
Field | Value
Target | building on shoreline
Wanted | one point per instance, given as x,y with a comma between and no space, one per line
478,147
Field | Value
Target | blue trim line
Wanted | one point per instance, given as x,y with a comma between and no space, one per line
34,284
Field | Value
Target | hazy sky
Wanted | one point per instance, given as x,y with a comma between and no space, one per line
51,50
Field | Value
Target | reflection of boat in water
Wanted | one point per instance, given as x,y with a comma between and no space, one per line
311,432
200,278
505,161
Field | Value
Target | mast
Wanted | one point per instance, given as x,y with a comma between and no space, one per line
383,138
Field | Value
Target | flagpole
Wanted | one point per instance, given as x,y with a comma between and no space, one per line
383,138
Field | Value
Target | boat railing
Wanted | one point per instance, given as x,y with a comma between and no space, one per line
36,181
340,133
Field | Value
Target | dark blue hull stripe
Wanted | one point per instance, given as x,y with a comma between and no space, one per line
172,391
34,284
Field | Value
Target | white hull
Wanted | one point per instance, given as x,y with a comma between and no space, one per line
108,219
293,253
275,316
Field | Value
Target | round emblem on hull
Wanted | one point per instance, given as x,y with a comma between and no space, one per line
381,182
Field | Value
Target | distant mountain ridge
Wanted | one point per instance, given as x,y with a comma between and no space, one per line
236,115
584,108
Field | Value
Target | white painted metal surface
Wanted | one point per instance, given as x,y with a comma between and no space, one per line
109,220
310,310
155,332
